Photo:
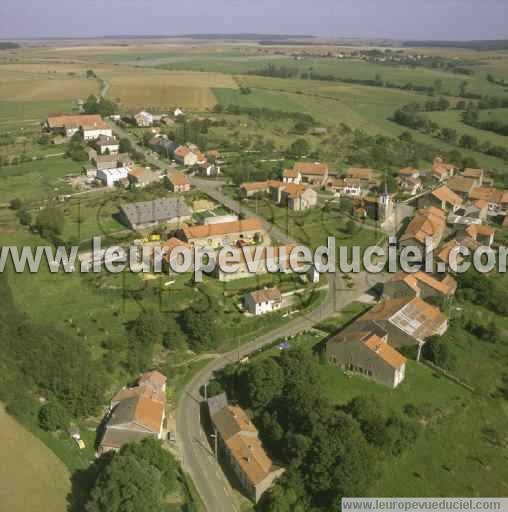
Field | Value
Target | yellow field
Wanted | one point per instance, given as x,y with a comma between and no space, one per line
47,89
140,88
32,478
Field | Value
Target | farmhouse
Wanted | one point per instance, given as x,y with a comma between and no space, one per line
365,175
263,301
428,222
141,177
112,176
105,144
312,173
245,231
409,172
345,187
472,213
184,156
368,354
497,199
256,187
408,321
481,233
295,196
178,182
442,171
172,255
136,413
141,215
442,198
269,258
105,161
409,185
209,169
475,174
238,439
291,176
420,284
461,186
90,126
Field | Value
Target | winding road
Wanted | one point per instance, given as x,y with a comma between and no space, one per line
196,456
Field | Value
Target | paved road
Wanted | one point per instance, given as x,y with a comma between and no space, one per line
197,458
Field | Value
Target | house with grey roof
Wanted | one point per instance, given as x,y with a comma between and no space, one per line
170,210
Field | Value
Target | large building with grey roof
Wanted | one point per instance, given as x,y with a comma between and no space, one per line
142,215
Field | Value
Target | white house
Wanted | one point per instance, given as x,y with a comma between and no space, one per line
178,112
96,130
110,176
263,301
106,144
144,119
184,156
208,169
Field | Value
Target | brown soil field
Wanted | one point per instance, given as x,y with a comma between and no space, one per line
32,478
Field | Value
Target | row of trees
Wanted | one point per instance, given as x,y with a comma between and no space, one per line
418,122
329,451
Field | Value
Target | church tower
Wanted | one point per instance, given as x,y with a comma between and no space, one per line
385,210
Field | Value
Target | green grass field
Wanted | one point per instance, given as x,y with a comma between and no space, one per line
36,180
452,119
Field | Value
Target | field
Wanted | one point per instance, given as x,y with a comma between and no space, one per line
36,180
164,90
452,119
32,477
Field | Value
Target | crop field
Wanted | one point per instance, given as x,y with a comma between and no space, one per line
165,90
49,89
32,478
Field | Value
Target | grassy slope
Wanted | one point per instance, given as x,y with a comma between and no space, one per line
31,476
368,108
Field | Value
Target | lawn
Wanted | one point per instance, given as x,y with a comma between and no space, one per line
36,180
32,477
312,227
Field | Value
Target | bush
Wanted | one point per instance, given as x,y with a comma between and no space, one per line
53,416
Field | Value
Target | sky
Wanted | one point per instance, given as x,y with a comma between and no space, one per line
396,19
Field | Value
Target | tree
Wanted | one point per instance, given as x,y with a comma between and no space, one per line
468,141
90,73
264,382
449,135
125,145
127,484
25,219
174,337
463,88
15,204
144,333
50,221
53,416
436,350
150,450
198,322
299,148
